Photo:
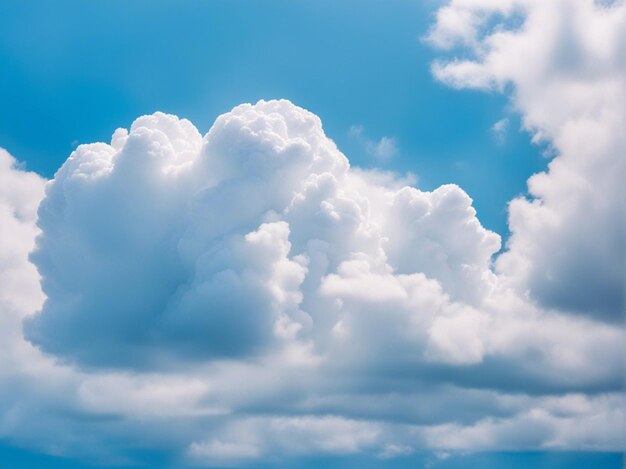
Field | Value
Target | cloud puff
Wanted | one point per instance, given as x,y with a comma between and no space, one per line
159,238
499,130
20,292
228,245
20,194
565,61
383,149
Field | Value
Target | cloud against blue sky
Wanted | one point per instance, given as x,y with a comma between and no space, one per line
250,297
571,94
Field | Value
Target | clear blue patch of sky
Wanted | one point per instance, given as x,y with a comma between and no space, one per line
73,71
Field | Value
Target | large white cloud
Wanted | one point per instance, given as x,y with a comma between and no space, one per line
177,268
566,64
166,247
247,295
164,242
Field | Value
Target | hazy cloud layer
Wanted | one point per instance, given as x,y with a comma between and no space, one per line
247,295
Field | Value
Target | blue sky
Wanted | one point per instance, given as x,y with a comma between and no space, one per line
243,298
78,70
23,459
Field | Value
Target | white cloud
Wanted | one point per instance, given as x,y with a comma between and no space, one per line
499,130
565,63
246,295
233,250
382,150
20,193
391,451
537,427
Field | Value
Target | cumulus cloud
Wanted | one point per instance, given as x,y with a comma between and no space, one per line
247,295
565,62
367,313
159,238
248,244
166,247
20,193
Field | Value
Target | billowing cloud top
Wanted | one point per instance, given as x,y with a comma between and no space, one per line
247,294
258,234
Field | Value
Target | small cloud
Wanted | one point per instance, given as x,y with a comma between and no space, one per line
219,451
383,149
356,132
393,451
438,457
499,130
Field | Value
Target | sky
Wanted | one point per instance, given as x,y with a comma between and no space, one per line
312,234
78,70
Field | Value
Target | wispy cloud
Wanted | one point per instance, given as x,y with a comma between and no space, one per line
383,149
499,130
